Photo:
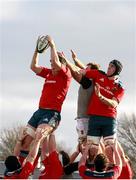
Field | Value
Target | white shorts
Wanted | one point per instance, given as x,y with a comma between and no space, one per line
82,126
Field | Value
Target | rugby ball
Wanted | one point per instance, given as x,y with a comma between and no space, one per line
42,44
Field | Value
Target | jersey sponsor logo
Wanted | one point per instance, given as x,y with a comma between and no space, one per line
102,79
50,81
107,90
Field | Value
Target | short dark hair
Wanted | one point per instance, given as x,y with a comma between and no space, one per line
100,162
65,158
12,163
70,168
62,60
94,65
118,66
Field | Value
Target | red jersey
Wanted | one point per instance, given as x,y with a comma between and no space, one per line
22,157
24,174
45,174
109,89
89,174
55,88
126,172
53,167
57,169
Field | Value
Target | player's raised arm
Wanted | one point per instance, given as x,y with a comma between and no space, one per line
77,62
75,71
35,61
55,63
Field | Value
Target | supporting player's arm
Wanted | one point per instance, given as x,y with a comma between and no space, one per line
74,154
77,62
52,143
116,156
44,149
35,147
75,71
20,139
121,153
110,102
83,159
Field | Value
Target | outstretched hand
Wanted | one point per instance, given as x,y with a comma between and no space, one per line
42,133
37,42
61,54
63,57
50,40
74,56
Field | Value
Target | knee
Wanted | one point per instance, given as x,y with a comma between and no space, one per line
26,142
109,143
30,131
29,138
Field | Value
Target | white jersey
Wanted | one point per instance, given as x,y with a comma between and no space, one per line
84,96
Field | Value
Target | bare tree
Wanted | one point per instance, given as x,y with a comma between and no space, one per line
127,137
8,138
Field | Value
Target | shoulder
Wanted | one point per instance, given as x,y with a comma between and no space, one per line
66,71
120,85
82,168
85,82
53,157
44,72
98,73
53,153
26,170
102,72
27,165
92,73
117,169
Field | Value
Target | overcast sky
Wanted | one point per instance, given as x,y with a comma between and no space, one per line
97,30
